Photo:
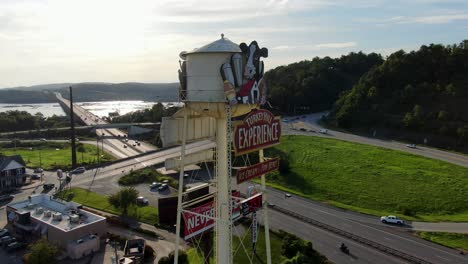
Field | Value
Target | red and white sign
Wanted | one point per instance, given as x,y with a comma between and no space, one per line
260,129
201,221
252,204
257,170
202,218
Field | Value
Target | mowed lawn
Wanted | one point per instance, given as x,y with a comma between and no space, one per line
458,241
55,156
373,180
146,214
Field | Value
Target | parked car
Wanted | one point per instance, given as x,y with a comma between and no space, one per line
6,197
138,143
125,146
38,170
5,239
287,195
391,219
155,185
43,139
4,232
15,246
35,177
411,145
142,200
78,170
163,187
48,186
9,240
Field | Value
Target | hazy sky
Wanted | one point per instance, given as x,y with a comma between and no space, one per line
50,41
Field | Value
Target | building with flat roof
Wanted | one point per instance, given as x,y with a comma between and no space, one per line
65,224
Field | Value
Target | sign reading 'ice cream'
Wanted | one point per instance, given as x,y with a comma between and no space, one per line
260,129
257,170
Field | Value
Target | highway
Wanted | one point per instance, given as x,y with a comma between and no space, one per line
366,226
117,147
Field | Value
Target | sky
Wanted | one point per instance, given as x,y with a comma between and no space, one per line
55,41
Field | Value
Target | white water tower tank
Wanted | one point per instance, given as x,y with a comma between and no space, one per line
204,82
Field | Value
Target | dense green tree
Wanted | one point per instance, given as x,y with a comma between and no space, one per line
124,198
42,252
22,120
421,92
183,258
315,85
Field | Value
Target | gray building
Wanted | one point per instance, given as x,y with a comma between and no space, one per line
65,224
12,172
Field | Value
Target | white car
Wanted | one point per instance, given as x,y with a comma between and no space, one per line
391,219
411,146
323,131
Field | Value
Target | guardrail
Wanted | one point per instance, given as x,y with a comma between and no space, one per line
359,239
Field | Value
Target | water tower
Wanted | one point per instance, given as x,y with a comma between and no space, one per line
221,80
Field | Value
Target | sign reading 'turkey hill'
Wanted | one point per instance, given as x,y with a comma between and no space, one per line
260,129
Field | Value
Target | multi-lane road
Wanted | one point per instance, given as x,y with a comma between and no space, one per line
366,226
117,146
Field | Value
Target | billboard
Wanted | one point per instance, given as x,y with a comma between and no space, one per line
201,219
257,170
251,204
259,129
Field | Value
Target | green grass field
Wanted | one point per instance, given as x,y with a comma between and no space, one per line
458,241
146,214
373,180
55,156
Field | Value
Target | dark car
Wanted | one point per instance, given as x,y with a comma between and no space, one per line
8,241
48,186
4,232
163,187
35,177
78,170
38,170
15,246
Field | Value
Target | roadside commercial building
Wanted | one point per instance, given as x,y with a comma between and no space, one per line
64,224
12,172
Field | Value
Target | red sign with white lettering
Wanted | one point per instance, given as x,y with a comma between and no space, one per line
260,129
257,170
252,204
202,218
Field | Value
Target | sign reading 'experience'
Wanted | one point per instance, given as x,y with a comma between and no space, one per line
260,129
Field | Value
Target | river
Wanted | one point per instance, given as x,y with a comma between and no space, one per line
97,108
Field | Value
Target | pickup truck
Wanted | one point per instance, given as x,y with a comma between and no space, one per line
391,219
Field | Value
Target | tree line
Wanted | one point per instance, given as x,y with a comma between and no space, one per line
314,85
418,96
21,120
422,95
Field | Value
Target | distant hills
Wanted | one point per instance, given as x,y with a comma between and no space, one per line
88,92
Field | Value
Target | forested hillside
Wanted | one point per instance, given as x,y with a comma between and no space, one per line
314,85
89,92
423,93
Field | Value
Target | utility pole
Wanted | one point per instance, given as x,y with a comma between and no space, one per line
72,125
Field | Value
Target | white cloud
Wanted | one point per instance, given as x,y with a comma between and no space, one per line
338,45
